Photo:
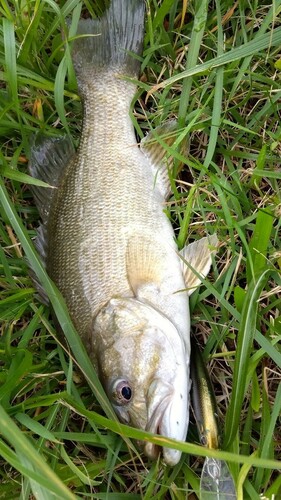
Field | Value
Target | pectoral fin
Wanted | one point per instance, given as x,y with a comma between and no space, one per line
197,256
143,262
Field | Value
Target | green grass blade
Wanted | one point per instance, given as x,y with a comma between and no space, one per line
218,95
35,427
42,472
59,91
259,242
273,39
189,448
267,441
15,175
20,365
10,59
244,343
200,16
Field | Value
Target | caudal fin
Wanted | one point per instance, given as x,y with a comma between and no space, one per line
111,40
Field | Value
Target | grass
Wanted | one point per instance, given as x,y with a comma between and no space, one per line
215,66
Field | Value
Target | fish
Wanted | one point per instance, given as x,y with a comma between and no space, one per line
107,243
216,480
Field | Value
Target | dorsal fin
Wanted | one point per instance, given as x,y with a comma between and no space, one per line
49,156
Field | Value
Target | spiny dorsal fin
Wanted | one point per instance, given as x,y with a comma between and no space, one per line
198,256
49,156
159,157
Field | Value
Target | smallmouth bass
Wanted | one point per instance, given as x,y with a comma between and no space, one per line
107,243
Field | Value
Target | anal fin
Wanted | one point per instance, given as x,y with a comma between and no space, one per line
197,256
155,147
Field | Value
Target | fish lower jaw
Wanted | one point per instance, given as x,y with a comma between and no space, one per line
168,418
169,455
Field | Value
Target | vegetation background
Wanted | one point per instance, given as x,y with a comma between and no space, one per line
216,67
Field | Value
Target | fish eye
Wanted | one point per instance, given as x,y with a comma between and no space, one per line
122,392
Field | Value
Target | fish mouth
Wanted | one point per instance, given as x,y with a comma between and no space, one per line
168,418
154,425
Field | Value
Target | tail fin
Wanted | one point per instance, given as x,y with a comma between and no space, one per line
113,37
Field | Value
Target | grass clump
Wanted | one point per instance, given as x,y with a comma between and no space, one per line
215,66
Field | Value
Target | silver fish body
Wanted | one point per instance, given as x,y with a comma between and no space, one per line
109,246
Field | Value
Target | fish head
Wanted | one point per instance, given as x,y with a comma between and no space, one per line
143,366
